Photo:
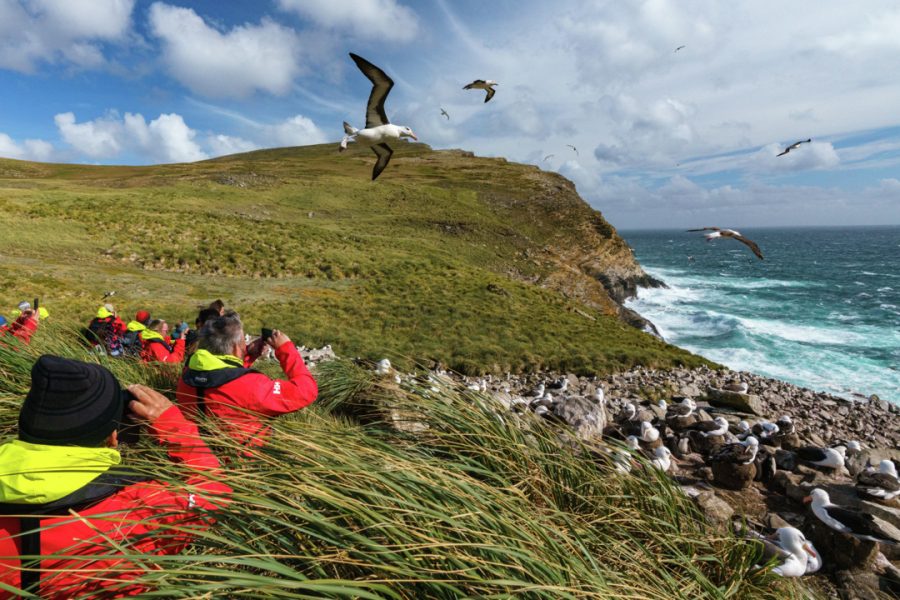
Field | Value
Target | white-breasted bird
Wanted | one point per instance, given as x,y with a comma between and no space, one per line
378,129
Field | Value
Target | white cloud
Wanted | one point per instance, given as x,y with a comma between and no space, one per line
235,63
222,145
54,31
295,131
39,150
368,19
166,138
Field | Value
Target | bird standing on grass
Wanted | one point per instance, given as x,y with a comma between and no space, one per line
481,84
378,129
718,232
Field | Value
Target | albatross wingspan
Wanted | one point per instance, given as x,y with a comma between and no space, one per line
381,85
383,152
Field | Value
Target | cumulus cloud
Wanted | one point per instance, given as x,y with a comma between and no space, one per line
222,145
165,139
70,32
295,131
39,150
235,63
368,19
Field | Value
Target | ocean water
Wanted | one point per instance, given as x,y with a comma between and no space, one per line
822,310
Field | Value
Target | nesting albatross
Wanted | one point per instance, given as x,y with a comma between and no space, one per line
378,129
718,232
855,522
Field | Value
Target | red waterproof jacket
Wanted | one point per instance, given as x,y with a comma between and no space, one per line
23,328
149,516
241,397
154,348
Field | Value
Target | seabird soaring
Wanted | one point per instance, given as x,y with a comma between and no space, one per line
378,129
679,48
793,146
444,112
573,148
731,233
855,522
881,484
549,156
481,84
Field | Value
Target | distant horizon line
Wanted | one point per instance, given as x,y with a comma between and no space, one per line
754,227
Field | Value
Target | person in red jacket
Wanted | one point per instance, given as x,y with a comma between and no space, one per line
218,381
25,324
63,493
156,345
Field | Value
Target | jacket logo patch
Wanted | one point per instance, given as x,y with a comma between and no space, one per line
277,389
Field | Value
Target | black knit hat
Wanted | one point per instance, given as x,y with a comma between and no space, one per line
70,403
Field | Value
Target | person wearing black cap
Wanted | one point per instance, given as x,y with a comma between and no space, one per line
65,461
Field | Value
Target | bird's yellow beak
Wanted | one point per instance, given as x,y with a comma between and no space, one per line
810,551
413,136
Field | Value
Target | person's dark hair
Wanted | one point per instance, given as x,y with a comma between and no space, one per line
205,315
218,306
220,335
155,325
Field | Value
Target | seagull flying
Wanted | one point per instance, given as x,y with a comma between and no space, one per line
549,156
717,233
793,146
378,129
481,84
573,148
444,112
679,48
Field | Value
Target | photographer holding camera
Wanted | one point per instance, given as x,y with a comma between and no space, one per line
219,382
64,496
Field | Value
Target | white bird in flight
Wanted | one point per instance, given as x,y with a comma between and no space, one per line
378,129
481,84
730,233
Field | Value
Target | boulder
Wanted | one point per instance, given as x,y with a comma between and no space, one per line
746,403
858,585
586,418
717,511
840,551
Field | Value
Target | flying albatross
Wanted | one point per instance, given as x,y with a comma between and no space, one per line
718,232
573,148
445,113
679,48
548,157
481,84
793,146
378,129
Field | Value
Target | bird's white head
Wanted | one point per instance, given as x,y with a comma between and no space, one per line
751,441
490,82
407,132
818,497
662,452
793,540
632,442
743,426
888,467
854,446
721,422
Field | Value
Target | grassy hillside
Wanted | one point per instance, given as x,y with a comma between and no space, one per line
478,263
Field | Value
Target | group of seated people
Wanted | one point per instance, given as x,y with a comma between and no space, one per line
24,323
64,493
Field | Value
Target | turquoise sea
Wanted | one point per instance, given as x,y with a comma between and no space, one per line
822,310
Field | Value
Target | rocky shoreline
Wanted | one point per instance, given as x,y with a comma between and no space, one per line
851,568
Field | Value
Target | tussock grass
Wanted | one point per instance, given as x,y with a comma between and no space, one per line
435,494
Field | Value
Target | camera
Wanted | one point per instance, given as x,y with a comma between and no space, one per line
129,430
266,334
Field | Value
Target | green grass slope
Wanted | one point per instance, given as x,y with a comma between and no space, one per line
474,262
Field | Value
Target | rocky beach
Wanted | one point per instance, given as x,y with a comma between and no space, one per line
597,411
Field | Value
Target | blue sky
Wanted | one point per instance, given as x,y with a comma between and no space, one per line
664,138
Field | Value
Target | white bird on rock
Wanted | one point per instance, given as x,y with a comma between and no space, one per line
881,484
855,522
797,555
662,459
830,458
378,129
